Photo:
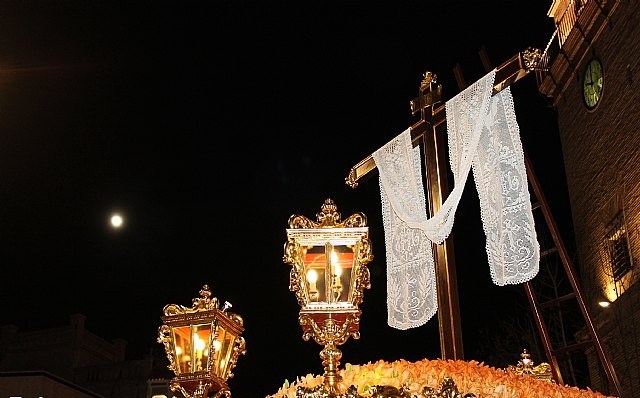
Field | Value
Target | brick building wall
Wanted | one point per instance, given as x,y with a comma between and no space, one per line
601,150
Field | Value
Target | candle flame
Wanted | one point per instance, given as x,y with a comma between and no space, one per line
312,276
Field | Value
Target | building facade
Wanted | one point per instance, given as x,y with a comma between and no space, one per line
71,359
40,384
593,78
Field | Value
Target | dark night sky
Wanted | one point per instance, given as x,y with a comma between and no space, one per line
207,124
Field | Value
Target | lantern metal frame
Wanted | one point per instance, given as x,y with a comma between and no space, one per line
219,359
331,315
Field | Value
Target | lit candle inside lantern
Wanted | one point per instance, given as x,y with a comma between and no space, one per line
337,272
199,346
216,350
199,343
312,278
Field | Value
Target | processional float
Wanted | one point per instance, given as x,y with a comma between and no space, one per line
423,132
432,115
328,259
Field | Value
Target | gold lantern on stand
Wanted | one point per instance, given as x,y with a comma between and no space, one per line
203,344
328,261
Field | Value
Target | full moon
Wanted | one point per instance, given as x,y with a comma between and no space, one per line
116,220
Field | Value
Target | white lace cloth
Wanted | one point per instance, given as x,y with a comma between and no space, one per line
483,134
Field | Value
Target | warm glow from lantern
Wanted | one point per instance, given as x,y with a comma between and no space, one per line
334,258
216,345
178,350
337,269
312,276
198,343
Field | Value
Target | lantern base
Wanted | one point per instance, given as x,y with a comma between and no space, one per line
344,323
200,387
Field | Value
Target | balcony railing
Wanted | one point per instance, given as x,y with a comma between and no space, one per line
564,25
568,19
550,53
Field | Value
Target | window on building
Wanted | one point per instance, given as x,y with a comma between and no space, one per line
617,247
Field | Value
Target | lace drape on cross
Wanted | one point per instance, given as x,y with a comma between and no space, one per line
483,135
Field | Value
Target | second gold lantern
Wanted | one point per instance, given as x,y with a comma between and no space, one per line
202,343
328,259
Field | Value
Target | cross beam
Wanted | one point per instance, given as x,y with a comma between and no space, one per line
424,131
508,73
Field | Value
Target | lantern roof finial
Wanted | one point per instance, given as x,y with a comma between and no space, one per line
329,215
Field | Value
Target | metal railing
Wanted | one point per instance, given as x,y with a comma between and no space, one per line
564,26
550,53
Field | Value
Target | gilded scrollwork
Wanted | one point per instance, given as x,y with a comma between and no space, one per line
448,389
239,348
200,390
292,256
164,338
297,221
363,281
428,78
531,57
328,217
352,178
365,254
224,392
526,367
331,331
203,303
355,220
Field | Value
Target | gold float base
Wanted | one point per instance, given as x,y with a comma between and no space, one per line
448,389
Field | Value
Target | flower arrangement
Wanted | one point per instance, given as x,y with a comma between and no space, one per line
469,376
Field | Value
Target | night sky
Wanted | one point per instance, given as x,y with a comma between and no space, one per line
207,124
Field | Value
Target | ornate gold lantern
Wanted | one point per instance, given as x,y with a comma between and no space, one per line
328,261
202,344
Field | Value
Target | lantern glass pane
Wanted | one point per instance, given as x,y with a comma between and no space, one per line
201,335
341,270
222,348
315,262
182,348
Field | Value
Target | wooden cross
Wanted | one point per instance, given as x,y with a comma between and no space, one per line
425,131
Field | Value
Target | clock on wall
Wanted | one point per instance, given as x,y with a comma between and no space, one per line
593,83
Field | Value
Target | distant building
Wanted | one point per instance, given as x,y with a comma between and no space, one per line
594,80
74,360
40,384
